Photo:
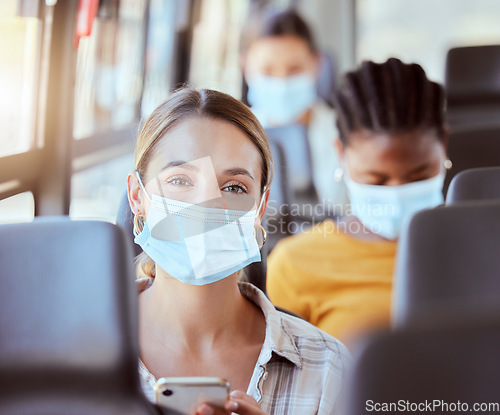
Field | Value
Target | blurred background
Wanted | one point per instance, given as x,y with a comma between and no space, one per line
77,77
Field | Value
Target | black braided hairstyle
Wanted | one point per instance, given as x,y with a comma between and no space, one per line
389,97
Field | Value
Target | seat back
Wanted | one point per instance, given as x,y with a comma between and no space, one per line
326,82
280,190
278,209
125,220
68,320
448,255
473,108
297,158
440,365
472,75
473,85
475,184
472,148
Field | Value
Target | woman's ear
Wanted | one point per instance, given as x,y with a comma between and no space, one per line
134,197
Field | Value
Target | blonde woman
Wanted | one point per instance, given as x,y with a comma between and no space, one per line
199,191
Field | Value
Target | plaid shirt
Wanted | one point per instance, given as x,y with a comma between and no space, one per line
300,370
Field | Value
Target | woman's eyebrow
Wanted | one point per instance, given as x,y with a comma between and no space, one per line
235,171
180,163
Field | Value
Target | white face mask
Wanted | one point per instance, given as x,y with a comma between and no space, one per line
198,245
280,101
384,210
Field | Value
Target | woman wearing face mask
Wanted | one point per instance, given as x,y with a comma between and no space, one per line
338,275
199,191
280,65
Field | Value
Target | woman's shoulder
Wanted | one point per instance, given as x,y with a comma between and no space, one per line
314,344
291,334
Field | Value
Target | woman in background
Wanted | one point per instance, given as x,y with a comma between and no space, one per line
280,63
392,147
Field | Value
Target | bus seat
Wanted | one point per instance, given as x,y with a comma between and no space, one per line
473,85
256,272
445,363
471,148
297,159
278,209
326,84
68,323
448,257
475,184
125,220
276,215
280,193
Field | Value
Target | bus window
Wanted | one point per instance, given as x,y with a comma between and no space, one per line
423,31
160,54
96,192
110,66
19,37
108,91
215,60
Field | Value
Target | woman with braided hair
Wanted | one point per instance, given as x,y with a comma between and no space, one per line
392,148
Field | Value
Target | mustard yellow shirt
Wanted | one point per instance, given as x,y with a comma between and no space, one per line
339,283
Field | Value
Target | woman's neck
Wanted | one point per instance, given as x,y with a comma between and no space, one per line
198,316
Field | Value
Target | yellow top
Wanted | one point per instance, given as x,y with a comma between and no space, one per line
336,282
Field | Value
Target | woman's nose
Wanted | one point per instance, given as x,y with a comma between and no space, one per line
210,195
396,181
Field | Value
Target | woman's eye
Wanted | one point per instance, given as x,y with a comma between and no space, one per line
179,181
235,188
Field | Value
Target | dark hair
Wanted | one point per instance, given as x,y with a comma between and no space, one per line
283,23
388,97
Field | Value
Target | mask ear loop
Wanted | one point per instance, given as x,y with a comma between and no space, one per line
137,230
261,201
142,186
264,233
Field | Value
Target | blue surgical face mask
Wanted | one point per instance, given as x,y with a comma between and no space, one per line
384,210
195,244
281,101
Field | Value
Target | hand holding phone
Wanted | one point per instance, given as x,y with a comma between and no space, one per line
185,394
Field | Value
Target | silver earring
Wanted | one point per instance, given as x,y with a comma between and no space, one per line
338,175
448,164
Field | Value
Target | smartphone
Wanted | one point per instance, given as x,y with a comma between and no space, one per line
185,394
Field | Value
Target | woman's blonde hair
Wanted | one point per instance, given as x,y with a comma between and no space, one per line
187,103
